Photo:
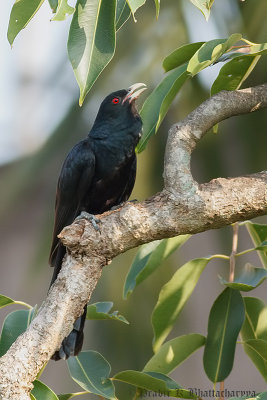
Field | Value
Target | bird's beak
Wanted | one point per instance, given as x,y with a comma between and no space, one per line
134,92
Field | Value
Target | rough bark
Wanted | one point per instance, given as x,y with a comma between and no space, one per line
182,207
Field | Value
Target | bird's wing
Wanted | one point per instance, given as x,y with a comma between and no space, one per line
74,181
130,182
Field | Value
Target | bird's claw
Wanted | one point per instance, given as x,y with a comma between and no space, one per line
90,218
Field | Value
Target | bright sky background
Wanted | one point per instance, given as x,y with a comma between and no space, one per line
37,84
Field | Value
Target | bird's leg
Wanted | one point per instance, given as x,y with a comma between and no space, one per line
90,218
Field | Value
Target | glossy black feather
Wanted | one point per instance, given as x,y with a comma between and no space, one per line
98,173
74,181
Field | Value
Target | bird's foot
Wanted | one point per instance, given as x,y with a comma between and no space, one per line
90,218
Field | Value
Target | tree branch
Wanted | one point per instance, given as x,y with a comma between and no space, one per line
182,207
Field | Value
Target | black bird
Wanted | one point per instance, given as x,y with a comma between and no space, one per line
98,174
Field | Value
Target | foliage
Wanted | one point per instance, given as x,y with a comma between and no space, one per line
225,321
101,311
230,315
148,259
92,41
91,46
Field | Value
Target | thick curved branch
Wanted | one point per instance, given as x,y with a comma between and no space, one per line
183,136
182,207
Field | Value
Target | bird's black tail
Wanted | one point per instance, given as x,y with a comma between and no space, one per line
72,344
56,261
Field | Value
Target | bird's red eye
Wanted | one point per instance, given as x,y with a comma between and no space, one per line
115,100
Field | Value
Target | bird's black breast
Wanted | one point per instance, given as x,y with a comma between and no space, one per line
114,178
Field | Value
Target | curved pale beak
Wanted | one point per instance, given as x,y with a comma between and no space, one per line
134,92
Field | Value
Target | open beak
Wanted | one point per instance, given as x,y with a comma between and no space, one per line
134,92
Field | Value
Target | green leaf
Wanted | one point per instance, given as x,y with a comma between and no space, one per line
91,42
209,52
256,49
134,5
43,392
246,50
154,381
174,352
262,246
91,371
258,234
234,73
259,346
67,396
53,5
63,10
14,324
5,301
157,5
148,258
170,97
172,298
204,6
225,321
256,349
101,311
21,14
250,278
156,105
255,328
261,396
255,325
181,55
123,13
243,397
32,397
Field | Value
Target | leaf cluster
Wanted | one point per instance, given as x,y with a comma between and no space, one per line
231,315
92,45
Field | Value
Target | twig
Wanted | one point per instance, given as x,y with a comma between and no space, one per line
233,253
222,390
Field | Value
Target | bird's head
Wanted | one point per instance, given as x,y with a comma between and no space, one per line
118,108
